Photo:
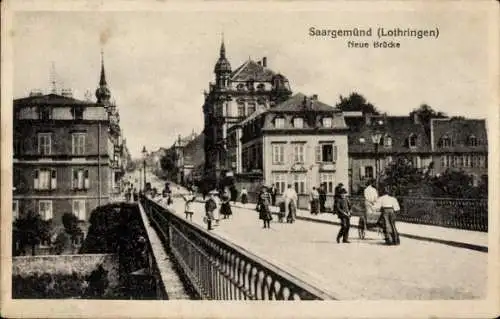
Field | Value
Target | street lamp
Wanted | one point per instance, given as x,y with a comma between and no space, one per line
376,136
144,154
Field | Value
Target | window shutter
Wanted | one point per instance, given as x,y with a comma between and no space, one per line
53,180
334,153
36,184
86,179
362,171
75,178
317,153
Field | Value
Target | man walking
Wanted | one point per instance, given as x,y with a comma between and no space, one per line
314,199
290,197
343,211
389,206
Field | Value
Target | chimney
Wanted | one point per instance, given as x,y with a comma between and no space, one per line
368,119
260,63
416,120
314,97
264,62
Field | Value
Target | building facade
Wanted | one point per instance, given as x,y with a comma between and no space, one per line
67,153
235,95
460,144
301,142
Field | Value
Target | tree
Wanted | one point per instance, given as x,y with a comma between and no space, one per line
30,230
65,238
403,177
458,184
356,102
425,113
168,163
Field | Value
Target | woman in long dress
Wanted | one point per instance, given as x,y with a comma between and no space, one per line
264,208
225,207
389,207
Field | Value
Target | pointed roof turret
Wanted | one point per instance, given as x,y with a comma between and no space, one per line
222,65
102,93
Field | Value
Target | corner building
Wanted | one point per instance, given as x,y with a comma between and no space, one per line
235,95
67,154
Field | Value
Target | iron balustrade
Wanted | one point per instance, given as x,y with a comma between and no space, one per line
218,270
468,214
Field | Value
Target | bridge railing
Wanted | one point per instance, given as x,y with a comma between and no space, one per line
219,270
469,214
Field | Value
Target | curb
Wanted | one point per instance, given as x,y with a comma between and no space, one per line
452,243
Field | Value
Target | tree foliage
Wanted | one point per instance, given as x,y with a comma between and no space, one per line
168,163
425,113
402,177
356,102
30,230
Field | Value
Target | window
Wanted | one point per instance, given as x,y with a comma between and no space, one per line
279,122
412,140
78,147
329,179
45,113
446,161
79,209
78,113
326,153
475,161
278,153
260,87
240,87
327,122
416,161
45,209
369,172
298,122
482,161
279,180
15,209
219,110
17,147
80,179
472,141
299,183
298,153
251,108
44,143
445,141
45,179
241,109
387,141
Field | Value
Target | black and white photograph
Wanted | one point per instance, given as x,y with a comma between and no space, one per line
156,153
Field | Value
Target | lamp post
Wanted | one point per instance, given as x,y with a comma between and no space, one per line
144,154
376,136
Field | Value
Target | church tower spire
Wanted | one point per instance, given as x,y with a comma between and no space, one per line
222,68
102,93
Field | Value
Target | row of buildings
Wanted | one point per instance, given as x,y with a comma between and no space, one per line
256,130
69,155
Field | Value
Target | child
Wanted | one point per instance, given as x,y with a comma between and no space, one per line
189,198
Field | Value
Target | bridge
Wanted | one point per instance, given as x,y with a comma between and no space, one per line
241,260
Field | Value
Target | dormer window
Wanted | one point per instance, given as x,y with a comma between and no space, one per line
445,141
472,141
279,122
412,140
45,113
78,113
327,122
387,140
298,122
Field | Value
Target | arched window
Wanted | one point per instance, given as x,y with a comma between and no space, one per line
412,140
472,141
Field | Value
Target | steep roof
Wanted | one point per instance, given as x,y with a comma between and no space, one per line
296,104
398,128
50,99
459,130
251,70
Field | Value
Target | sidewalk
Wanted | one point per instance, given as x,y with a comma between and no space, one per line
449,236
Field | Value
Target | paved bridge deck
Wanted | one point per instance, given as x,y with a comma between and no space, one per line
364,269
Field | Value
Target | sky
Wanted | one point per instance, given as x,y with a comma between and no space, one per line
159,63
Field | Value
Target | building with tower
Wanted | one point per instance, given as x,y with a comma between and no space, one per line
67,153
235,95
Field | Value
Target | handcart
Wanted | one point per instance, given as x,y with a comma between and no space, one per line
369,221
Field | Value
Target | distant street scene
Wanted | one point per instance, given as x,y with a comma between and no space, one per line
237,162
